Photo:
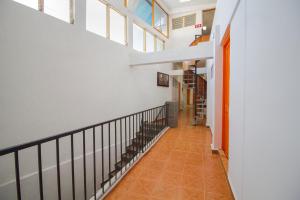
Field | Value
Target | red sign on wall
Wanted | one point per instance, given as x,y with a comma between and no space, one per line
198,25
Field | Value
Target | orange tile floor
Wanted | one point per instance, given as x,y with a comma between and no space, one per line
180,166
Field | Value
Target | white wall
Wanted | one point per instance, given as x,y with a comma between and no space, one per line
272,99
224,14
56,77
183,37
203,50
263,146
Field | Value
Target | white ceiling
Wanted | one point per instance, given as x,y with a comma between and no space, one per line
174,4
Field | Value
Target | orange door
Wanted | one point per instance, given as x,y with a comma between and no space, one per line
226,86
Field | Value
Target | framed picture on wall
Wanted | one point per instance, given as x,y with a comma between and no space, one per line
162,79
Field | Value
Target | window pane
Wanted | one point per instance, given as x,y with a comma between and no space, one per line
117,27
29,3
142,9
58,8
138,38
96,17
159,45
160,19
149,42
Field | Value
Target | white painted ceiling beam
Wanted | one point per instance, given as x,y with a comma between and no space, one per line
180,72
203,50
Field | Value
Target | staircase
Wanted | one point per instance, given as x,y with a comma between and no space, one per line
143,138
121,142
198,84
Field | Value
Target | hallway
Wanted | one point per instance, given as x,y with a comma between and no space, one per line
180,166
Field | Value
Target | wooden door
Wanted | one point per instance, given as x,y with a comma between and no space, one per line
226,92
188,95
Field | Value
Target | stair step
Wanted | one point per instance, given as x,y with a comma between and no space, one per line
127,157
113,173
138,142
119,165
146,138
132,149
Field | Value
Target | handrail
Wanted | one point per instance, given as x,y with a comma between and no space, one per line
158,114
61,135
129,130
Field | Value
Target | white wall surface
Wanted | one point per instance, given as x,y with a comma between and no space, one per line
56,77
237,99
202,51
224,14
263,147
183,37
272,160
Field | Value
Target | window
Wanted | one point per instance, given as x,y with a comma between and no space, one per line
58,8
138,38
149,42
30,3
177,23
96,17
159,45
117,27
160,19
189,20
142,9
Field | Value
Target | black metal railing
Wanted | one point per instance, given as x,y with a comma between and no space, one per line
127,136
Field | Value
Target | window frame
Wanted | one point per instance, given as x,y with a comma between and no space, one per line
108,24
154,41
153,18
144,39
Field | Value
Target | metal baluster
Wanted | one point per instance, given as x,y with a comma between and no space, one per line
116,149
133,127
129,133
58,169
72,165
94,162
40,172
109,164
102,157
84,164
121,141
17,171
125,138
156,118
143,130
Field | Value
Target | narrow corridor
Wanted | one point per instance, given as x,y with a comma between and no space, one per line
180,166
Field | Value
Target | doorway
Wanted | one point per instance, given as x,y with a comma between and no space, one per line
226,92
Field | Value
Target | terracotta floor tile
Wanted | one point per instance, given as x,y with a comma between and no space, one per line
164,193
134,196
216,196
175,166
193,170
181,166
142,187
194,182
151,174
171,179
191,194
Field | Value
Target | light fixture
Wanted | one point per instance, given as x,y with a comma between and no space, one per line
204,28
183,1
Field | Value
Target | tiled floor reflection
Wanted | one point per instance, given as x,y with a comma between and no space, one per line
179,166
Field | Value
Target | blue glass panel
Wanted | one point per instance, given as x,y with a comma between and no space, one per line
142,9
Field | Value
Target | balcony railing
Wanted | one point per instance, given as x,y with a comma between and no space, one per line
122,141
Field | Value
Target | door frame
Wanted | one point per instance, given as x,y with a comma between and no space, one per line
226,91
